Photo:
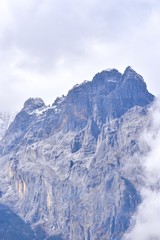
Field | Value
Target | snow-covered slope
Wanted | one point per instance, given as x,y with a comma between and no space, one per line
70,168
5,120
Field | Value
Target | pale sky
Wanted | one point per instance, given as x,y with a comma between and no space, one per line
47,46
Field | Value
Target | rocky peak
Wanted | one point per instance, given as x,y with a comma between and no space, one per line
107,75
108,96
133,90
129,73
107,79
59,101
32,104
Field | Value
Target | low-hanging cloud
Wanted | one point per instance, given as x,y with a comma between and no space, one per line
145,223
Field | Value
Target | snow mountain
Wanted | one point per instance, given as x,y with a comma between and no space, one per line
69,170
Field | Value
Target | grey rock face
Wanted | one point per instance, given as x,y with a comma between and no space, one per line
70,168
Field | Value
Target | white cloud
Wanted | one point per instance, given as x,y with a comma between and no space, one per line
146,221
61,43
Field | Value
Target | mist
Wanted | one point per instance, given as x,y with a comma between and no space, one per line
145,223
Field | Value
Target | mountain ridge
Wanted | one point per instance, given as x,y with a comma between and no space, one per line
71,168
109,88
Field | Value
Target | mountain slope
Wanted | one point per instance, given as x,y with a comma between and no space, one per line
12,227
70,168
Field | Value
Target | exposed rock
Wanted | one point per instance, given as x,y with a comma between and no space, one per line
32,104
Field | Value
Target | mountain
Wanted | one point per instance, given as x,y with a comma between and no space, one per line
70,170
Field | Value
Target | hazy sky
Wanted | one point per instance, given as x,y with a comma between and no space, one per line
47,46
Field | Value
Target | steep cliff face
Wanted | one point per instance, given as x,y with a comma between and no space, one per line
70,167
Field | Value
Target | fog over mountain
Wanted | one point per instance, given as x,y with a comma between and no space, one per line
147,217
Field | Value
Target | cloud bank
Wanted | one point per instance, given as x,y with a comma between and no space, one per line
146,220
48,46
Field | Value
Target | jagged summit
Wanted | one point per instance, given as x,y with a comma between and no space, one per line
112,76
107,75
111,79
132,74
33,103
108,96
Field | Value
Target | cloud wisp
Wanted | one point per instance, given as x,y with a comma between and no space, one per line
146,220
